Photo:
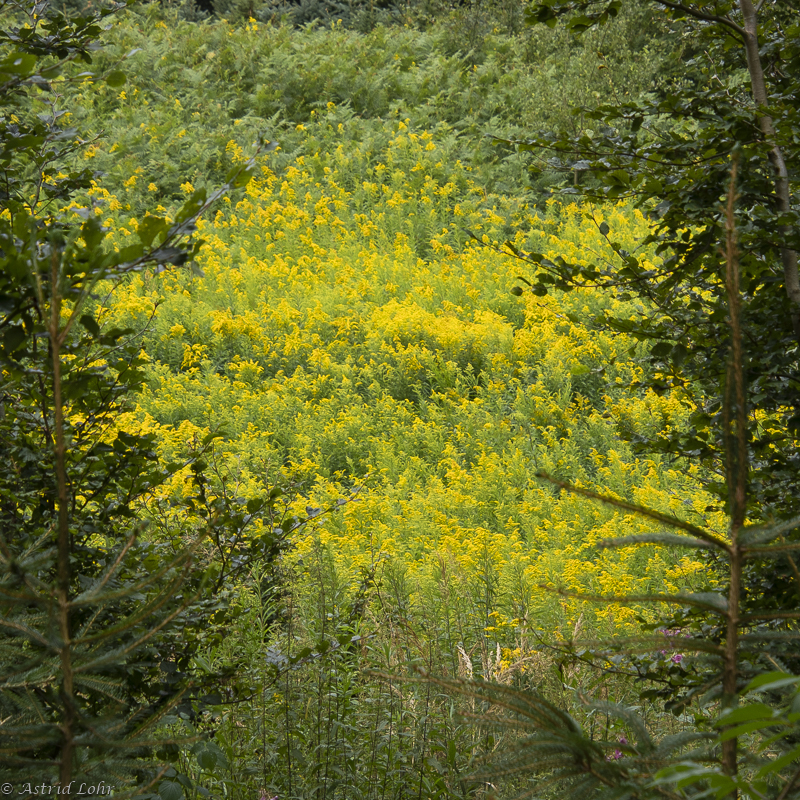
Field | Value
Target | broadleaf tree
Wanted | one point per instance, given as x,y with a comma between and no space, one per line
735,95
670,154
720,314
101,618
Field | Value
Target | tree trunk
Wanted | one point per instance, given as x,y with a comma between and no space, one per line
63,598
759,87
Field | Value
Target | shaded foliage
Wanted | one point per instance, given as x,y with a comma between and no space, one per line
101,620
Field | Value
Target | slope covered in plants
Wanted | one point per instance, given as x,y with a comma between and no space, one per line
345,331
349,327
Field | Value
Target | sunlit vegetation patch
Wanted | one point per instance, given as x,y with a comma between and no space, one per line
347,332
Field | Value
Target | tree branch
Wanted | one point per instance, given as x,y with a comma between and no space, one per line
693,12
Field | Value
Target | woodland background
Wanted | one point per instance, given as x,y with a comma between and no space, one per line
312,415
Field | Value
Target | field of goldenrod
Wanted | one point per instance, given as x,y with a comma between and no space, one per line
347,344
351,326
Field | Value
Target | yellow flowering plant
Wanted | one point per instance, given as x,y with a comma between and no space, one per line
341,329
420,372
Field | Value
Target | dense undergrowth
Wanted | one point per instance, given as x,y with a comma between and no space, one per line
349,330
193,87
328,352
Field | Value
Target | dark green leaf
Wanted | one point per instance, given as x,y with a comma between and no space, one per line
116,78
170,790
151,227
90,324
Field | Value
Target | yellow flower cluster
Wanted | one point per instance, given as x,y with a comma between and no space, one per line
345,333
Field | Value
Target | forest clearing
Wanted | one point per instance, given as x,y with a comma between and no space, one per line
399,400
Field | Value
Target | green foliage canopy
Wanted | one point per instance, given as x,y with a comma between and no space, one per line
672,155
